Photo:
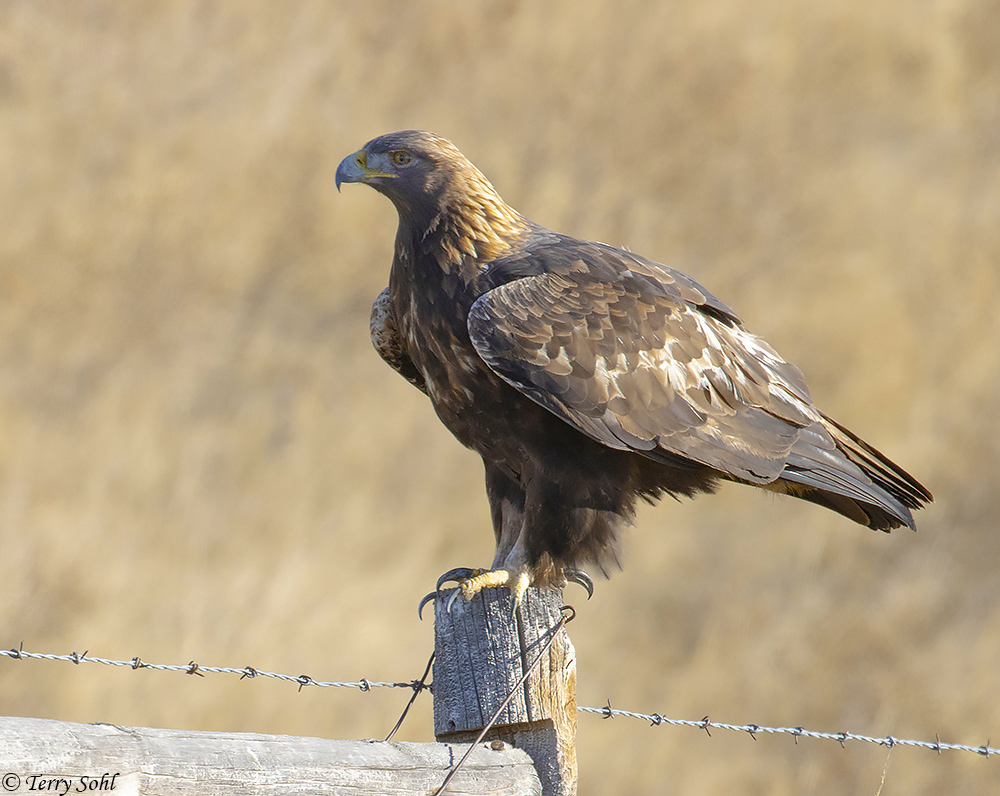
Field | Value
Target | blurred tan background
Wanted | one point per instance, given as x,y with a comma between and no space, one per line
201,456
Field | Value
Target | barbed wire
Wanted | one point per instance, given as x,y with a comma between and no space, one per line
607,712
197,669
655,720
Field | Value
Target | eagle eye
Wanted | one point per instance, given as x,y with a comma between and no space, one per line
400,157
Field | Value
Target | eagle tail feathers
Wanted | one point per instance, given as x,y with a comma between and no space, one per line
842,472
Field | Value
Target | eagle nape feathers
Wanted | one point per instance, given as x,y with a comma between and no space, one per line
588,377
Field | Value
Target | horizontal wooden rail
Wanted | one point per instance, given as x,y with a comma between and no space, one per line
59,757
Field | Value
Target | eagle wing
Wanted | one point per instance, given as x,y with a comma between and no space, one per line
640,357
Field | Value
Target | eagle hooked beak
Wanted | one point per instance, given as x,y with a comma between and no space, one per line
355,168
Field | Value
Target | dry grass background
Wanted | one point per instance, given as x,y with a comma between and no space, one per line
201,457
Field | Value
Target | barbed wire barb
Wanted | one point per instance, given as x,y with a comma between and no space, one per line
889,741
195,668
606,712
417,686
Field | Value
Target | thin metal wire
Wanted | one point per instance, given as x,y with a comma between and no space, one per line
301,680
655,719
418,686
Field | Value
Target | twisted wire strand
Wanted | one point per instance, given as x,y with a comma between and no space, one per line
301,680
655,720
607,712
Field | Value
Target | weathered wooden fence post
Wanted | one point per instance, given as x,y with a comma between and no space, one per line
482,649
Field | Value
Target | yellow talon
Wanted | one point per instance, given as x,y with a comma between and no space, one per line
519,587
517,581
485,579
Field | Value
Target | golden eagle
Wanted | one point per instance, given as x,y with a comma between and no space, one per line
587,376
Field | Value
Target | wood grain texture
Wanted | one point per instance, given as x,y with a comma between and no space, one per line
179,762
482,650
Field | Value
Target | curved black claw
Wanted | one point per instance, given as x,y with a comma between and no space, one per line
427,598
581,578
458,574
455,594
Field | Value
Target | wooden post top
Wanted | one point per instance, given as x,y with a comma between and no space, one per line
482,649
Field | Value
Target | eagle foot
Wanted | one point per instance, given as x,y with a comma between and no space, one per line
472,581
458,575
517,580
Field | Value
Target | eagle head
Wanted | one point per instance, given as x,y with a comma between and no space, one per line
412,168
433,185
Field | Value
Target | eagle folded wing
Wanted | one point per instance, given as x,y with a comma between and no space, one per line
634,360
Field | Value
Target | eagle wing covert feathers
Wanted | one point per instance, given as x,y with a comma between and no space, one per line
587,376
628,360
